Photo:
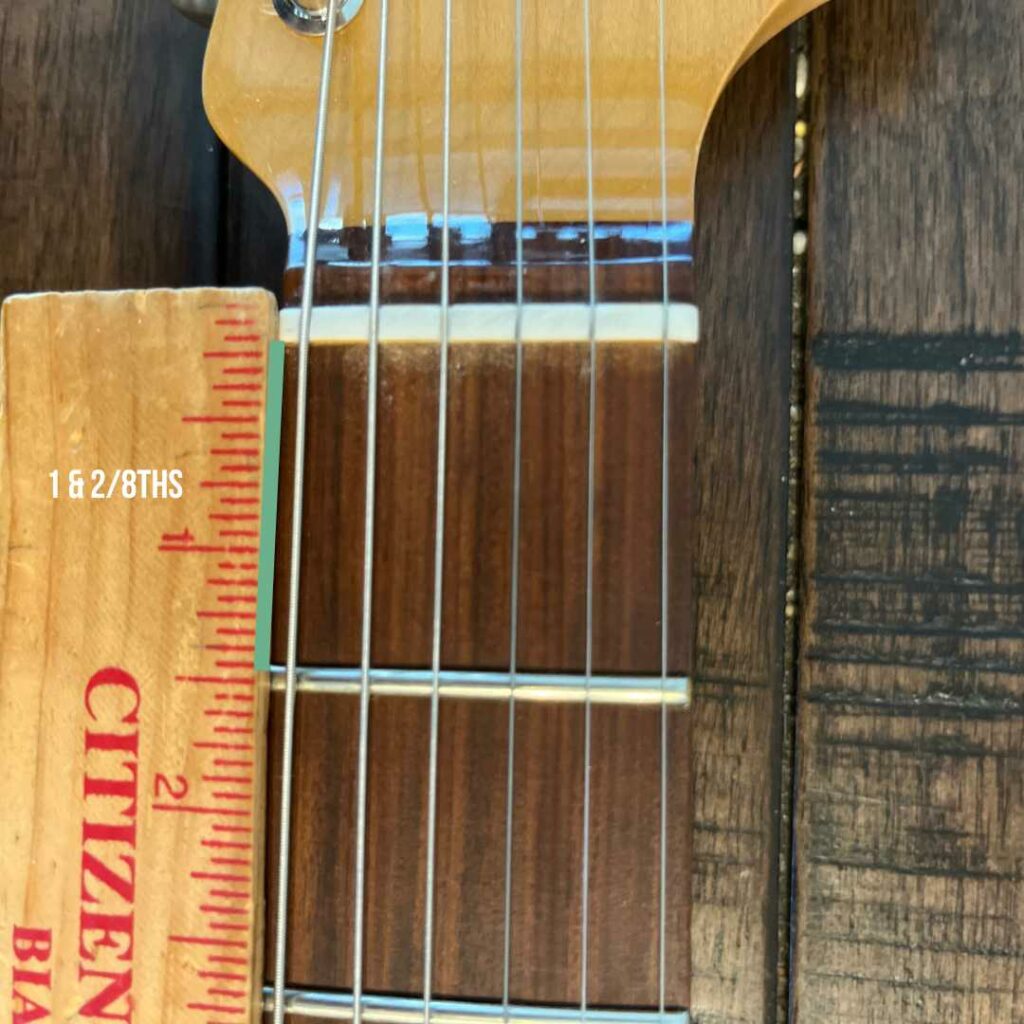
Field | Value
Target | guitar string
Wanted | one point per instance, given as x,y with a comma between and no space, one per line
439,525
591,485
517,461
291,660
665,510
359,896
291,666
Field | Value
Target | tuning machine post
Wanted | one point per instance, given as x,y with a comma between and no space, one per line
297,15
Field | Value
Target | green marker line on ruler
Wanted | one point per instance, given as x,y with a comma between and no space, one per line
268,503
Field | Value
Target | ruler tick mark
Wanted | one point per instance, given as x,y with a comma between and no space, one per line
207,940
214,908
227,680
219,419
193,809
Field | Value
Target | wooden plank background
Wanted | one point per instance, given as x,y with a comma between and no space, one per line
910,784
910,801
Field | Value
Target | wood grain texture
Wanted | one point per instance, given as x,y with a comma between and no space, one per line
547,881
260,93
910,798
121,820
110,174
743,266
744,237
742,434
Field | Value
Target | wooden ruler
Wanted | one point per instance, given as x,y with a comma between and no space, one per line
131,717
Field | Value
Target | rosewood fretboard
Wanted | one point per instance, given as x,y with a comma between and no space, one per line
548,769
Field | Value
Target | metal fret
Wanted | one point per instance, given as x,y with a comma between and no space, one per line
338,1006
548,687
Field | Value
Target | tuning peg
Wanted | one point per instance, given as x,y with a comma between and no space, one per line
200,11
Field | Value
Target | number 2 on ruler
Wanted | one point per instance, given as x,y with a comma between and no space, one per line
176,790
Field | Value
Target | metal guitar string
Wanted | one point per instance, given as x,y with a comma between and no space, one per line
517,462
305,320
372,376
591,484
359,896
442,462
665,508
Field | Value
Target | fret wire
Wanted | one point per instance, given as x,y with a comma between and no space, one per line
517,460
591,482
305,322
442,461
368,525
665,510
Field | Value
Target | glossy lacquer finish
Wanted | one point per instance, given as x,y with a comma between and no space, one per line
260,83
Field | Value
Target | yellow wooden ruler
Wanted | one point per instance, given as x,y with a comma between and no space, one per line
131,718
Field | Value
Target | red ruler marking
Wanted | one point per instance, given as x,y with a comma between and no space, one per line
225,837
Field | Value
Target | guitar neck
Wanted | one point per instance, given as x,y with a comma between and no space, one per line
504,541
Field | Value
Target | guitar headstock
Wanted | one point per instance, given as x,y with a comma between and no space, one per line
260,87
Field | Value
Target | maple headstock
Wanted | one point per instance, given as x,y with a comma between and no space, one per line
260,85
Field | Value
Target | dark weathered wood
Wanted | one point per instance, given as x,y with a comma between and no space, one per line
744,239
109,171
910,873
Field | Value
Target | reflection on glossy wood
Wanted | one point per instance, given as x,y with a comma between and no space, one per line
260,92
